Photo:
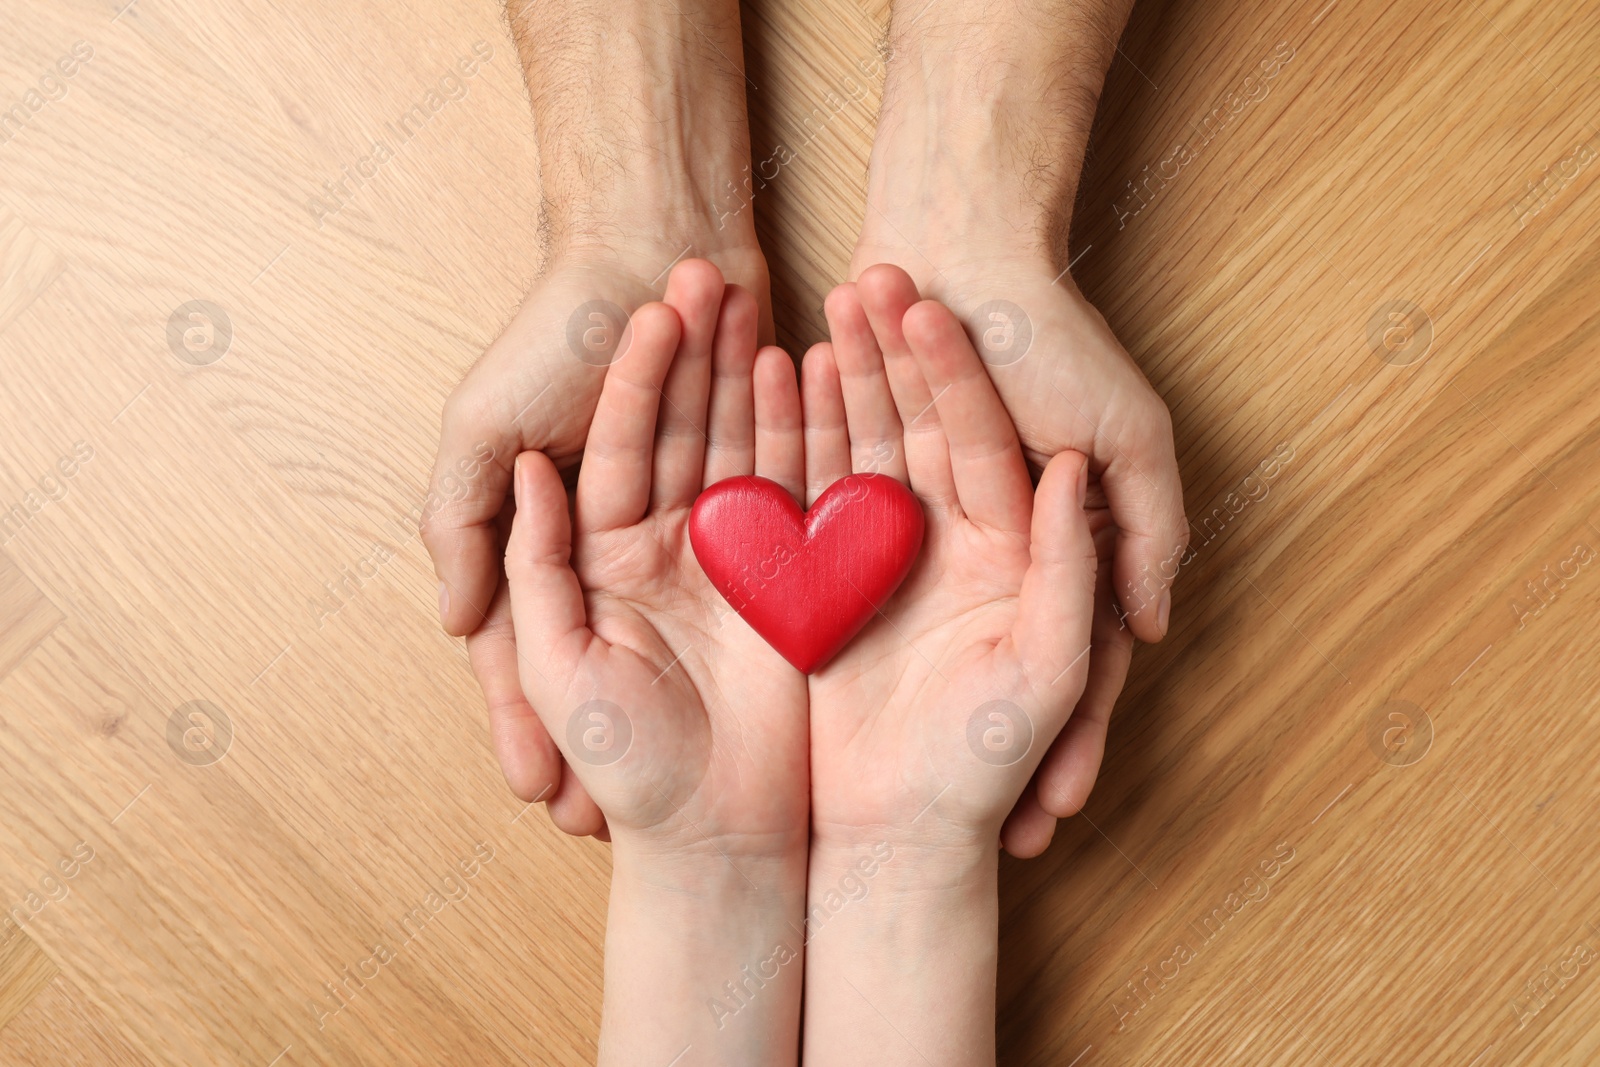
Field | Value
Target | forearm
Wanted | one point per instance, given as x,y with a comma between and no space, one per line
703,953
900,957
994,96
639,114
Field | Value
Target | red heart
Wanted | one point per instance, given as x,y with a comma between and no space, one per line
807,582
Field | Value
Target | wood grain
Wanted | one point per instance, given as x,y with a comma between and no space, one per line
24,971
62,1026
26,615
1346,814
26,267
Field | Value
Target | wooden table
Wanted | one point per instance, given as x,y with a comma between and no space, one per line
1347,813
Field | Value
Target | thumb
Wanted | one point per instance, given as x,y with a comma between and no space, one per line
1055,606
1142,486
547,610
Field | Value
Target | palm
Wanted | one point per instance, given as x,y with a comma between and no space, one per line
1067,385
678,723
893,740
930,716
693,673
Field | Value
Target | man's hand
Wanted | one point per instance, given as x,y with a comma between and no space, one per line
636,131
973,174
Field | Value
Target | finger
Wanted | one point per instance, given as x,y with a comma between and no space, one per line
827,435
694,291
875,438
991,477
780,444
1145,492
1028,829
547,610
731,419
1069,768
528,756
471,475
572,809
614,481
1055,606
886,294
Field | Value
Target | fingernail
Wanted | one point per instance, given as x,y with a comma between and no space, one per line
516,480
1083,483
444,600
1164,611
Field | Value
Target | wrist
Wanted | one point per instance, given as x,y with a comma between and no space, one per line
639,130
901,951
693,862
899,871
654,210
703,950
937,202
984,123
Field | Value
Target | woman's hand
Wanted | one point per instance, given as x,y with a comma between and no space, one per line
685,728
940,710
927,729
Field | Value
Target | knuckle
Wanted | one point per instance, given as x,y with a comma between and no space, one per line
517,565
509,710
434,534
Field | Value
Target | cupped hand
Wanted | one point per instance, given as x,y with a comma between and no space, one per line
684,727
930,724
1068,385
535,388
